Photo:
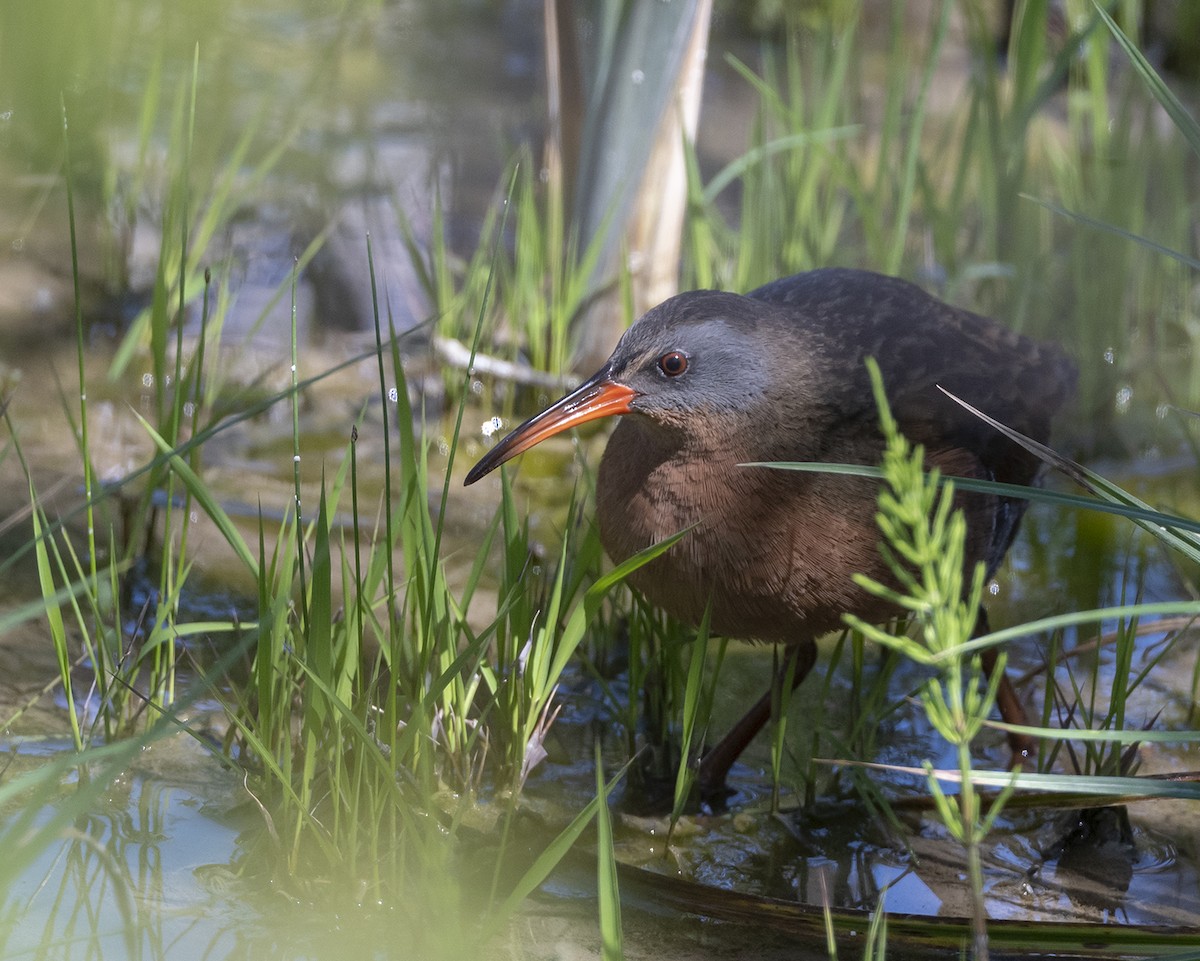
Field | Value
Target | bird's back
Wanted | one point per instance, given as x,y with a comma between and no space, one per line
922,344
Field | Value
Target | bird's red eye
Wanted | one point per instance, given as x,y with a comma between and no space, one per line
673,364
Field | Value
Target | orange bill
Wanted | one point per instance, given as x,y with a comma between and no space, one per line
595,398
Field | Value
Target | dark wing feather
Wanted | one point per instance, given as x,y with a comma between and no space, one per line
920,344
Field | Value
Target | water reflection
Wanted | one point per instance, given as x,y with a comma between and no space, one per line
124,882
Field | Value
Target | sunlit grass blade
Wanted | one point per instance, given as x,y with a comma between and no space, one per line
319,622
54,618
1174,536
551,856
1176,255
583,614
205,498
80,340
876,948
608,890
696,708
1184,121
738,168
1119,505
1054,622
1117,790
895,250
1101,736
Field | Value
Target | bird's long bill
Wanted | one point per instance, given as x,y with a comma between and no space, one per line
598,397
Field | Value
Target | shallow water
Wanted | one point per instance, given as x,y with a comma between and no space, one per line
136,877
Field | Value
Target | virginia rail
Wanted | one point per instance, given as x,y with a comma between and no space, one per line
710,381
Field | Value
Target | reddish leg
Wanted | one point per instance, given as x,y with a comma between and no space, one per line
1022,747
716,762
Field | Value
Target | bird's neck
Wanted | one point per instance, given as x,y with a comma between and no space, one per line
735,437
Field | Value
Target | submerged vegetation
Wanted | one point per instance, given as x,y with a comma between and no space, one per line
392,694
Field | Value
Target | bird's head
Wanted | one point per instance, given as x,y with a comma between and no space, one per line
696,360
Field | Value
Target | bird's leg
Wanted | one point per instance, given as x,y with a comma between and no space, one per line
716,762
1021,746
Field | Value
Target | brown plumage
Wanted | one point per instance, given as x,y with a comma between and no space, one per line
710,381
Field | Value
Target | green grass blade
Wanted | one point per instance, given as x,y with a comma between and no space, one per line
608,891
1056,622
737,168
319,634
1082,785
1175,255
54,619
204,497
553,853
1183,120
693,696
1127,506
1089,734
585,613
